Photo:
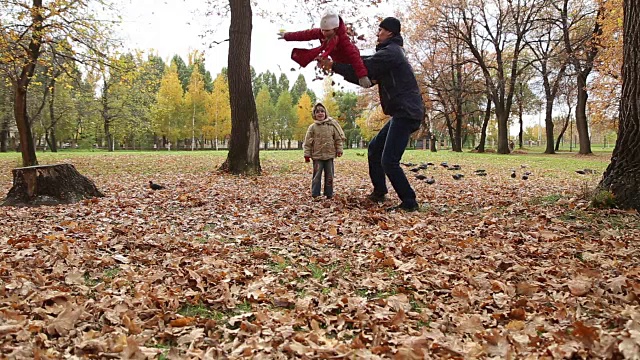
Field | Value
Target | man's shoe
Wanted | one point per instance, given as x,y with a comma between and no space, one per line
376,197
405,207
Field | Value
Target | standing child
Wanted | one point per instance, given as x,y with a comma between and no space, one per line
322,143
334,43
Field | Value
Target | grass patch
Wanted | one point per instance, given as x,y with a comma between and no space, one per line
549,199
89,281
201,240
603,199
244,307
201,311
317,272
111,273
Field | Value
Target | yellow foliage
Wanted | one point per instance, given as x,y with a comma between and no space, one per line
305,118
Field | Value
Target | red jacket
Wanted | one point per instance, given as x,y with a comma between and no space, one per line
339,48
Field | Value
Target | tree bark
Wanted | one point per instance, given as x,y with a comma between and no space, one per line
622,177
485,124
49,185
244,145
582,126
21,85
4,134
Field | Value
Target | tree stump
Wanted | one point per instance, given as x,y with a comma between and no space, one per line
49,185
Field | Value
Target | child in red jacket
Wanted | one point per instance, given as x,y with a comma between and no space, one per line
334,43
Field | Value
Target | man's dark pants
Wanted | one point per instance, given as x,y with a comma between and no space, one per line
385,152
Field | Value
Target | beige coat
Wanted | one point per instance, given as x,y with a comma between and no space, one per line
323,140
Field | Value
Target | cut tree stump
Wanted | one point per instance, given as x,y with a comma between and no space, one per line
49,185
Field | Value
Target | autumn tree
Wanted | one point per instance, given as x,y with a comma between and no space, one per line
348,112
266,116
547,47
167,114
494,32
27,27
622,177
580,26
304,116
285,119
218,124
195,100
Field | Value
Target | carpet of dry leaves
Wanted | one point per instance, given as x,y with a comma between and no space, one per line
223,266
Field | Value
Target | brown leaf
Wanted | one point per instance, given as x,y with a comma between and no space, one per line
181,322
579,287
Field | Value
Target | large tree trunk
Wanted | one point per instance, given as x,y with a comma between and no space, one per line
582,126
622,176
49,185
503,130
27,145
244,145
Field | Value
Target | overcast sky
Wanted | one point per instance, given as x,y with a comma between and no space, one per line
174,27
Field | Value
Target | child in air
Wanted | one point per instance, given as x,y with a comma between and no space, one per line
322,143
334,43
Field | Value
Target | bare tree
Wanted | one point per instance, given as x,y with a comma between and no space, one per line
580,26
495,31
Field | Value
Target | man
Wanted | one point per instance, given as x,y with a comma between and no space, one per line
400,98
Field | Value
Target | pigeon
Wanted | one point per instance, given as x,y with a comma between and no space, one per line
480,171
153,186
431,181
414,170
444,164
581,172
525,177
586,171
408,164
423,166
420,177
430,164
513,174
458,176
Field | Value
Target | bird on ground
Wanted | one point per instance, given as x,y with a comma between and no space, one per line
430,164
360,154
513,174
525,177
430,181
481,173
581,172
444,164
415,169
586,171
408,164
458,176
423,166
153,186
455,167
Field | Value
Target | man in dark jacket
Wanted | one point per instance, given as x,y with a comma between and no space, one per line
401,99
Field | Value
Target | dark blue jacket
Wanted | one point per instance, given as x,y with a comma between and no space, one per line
397,85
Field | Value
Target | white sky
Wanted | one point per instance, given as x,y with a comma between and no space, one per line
174,27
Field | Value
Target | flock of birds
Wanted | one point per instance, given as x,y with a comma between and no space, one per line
430,180
416,168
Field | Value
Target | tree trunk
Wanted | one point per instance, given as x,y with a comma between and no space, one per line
485,124
521,132
49,185
4,134
622,177
244,145
503,139
52,118
548,122
27,145
582,126
564,129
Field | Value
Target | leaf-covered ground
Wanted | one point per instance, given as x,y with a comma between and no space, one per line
223,266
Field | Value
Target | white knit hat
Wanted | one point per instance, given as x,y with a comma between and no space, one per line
329,20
